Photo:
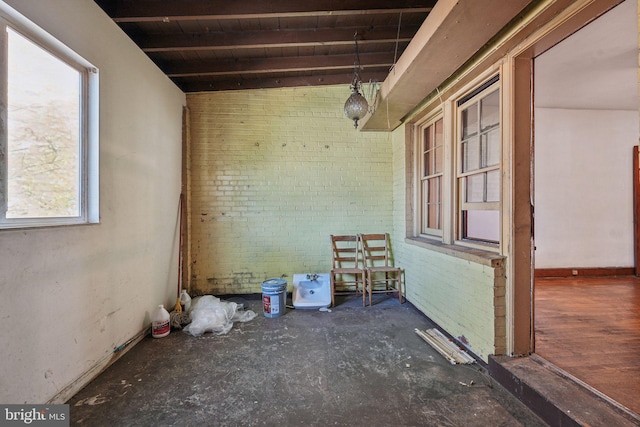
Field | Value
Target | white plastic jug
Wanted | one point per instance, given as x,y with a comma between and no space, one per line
185,301
160,325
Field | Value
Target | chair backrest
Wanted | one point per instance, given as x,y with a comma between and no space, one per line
375,250
346,251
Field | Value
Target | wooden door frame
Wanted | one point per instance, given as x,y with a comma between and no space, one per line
521,61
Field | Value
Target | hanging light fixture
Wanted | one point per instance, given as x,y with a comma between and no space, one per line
356,106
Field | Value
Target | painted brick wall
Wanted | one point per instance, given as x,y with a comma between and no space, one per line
463,297
273,173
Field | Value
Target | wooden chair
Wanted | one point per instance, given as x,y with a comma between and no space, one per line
347,275
378,267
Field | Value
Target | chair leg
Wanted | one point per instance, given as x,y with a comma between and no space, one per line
365,281
365,287
333,290
400,287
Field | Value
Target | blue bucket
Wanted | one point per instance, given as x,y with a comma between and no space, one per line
274,293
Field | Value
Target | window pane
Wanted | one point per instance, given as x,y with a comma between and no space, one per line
482,225
434,191
493,186
490,110
438,160
429,160
438,132
475,188
492,147
428,140
470,121
432,197
425,206
438,136
427,152
470,155
432,150
426,159
434,218
431,211
43,133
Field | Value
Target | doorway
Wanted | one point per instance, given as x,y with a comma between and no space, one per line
586,125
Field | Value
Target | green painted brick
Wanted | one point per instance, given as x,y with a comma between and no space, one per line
276,172
465,298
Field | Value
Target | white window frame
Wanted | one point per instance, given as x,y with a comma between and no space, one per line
452,192
89,127
474,96
419,168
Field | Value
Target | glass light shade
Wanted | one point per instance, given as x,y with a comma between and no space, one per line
356,107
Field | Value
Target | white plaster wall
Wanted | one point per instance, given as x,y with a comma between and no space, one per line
72,294
583,187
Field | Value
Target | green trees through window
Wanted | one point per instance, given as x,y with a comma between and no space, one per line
48,129
43,132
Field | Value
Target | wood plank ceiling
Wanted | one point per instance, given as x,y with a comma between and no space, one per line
211,45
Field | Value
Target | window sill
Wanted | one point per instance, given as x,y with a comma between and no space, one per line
479,256
45,226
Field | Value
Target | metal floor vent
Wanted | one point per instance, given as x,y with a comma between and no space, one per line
445,347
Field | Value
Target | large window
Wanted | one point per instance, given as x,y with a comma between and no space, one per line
479,167
456,175
48,174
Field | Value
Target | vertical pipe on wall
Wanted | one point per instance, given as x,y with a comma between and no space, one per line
185,226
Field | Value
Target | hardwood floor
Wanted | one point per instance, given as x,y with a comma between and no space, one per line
590,328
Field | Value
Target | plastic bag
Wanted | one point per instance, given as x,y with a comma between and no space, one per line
210,314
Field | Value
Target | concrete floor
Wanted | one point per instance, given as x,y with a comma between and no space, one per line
352,366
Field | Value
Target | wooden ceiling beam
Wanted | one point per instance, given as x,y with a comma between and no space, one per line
271,39
276,65
273,82
198,53
165,11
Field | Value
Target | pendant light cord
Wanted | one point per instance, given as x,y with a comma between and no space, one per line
356,65
395,54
